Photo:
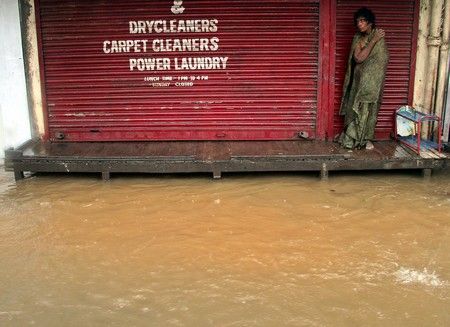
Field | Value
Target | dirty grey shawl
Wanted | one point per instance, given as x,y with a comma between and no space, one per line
362,93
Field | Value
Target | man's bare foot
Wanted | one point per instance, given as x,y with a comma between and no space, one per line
369,145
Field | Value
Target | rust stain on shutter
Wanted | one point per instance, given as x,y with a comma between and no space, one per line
259,80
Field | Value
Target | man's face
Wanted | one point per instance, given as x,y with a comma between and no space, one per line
363,25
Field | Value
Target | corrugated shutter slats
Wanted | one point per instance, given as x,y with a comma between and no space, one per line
267,91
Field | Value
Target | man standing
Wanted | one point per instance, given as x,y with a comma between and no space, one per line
364,82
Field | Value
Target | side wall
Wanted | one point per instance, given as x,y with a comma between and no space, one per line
432,53
14,114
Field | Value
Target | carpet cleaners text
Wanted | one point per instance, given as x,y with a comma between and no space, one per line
167,45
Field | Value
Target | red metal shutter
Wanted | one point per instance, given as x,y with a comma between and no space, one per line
397,18
268,89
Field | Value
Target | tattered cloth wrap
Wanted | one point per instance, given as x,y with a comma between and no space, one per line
362,93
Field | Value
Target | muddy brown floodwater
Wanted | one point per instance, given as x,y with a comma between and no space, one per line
247,250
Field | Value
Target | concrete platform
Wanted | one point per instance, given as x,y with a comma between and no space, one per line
215,157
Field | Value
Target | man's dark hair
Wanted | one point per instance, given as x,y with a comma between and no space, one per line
366,13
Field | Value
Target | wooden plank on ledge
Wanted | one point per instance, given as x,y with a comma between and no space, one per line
427,155
436,152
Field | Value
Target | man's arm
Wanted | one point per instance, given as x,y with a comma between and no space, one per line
361,53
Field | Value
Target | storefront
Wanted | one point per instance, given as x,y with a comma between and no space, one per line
209,70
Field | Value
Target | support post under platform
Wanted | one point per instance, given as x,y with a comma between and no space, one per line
18,175
106,175
426,173
217,174
324,172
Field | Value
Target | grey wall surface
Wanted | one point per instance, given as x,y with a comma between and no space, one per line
14,114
